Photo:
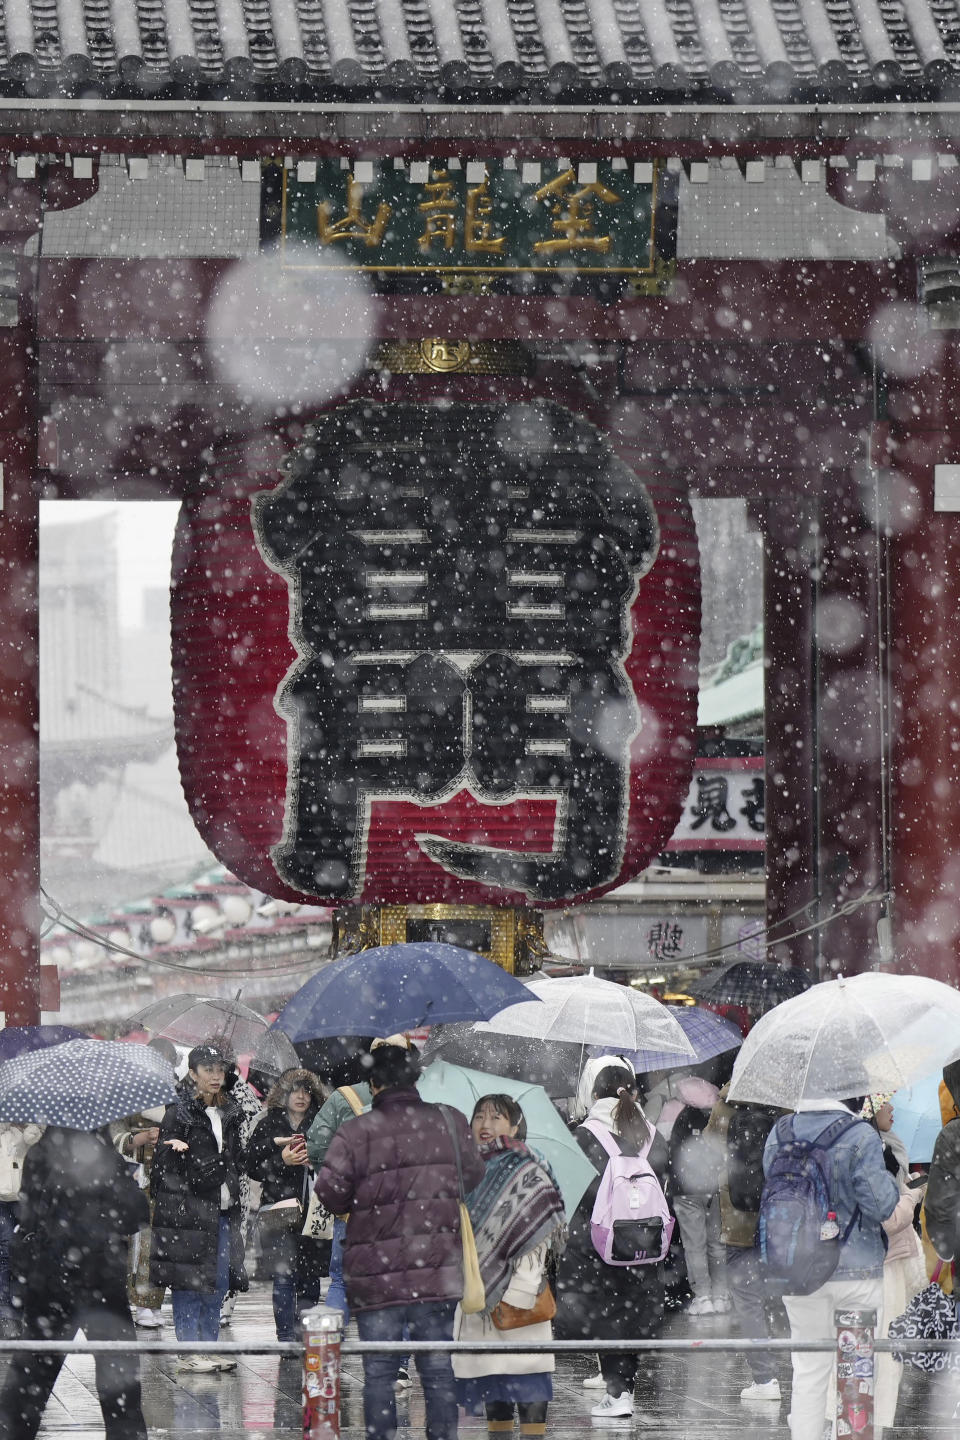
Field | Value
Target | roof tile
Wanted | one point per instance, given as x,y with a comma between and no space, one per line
642,47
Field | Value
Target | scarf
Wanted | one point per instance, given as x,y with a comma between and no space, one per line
515,1207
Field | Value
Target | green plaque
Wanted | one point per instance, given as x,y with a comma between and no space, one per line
475,227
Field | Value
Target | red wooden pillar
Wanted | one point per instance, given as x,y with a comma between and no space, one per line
924,625
791,549
849,724
19,628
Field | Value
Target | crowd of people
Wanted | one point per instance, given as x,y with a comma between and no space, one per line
364,1184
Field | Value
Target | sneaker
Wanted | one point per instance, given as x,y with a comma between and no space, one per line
613,1405
147,1319
769,1390
224,1362
701,1305
403,1378
595,1382
197,1363
721,1304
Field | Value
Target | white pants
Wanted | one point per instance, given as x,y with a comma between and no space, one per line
814,1372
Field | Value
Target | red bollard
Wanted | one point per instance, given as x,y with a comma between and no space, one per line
856,1373
322,1334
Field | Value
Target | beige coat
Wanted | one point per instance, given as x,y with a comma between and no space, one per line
903,1240
522,1291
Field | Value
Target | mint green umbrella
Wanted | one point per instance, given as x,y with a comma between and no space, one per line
446,1084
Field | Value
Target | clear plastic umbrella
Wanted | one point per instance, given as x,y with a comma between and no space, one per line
588,1011
842,1038
191,1019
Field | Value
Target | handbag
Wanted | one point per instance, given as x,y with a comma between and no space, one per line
931,1315
319,1222
510,1317
283,1217
474,1295
280,1219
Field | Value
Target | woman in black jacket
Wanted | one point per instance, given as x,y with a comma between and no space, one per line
597,1301
294,1261
79,1205
195,1187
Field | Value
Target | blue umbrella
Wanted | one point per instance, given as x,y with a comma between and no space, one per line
916,1117
709,1034
84,1084
398,987
18,1039
445,1084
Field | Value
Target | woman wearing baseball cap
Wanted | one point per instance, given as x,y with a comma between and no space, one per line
195,1185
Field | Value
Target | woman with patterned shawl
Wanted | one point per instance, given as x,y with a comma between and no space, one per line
518,1218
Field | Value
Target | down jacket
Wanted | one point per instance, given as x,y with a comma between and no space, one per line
942,1203
394,1171
185,1189
79,1204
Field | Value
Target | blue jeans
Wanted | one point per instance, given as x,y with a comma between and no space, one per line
425,1320
8,1218
196,1313
336,1294
293,1292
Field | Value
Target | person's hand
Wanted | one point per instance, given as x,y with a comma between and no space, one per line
146,1137
180,1146
285,1140
295,1153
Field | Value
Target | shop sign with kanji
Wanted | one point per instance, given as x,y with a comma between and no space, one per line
474,225
724,809
438,653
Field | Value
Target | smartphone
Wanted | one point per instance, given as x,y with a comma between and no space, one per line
916,1181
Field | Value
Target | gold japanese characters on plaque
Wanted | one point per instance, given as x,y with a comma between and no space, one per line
477,227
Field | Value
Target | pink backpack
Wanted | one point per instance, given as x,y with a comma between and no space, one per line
630,1224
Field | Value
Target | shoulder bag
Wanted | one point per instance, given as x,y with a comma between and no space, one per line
474,1295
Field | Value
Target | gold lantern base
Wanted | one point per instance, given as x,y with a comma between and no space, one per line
512,938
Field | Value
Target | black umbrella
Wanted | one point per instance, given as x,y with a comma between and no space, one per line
757,985
554,1066
337,1059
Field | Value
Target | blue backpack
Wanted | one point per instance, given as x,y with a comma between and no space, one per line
798,1246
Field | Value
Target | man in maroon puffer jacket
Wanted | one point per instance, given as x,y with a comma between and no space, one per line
395,1172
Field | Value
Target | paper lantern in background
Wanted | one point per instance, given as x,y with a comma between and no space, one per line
445,653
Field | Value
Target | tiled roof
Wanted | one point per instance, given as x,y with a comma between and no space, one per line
546,48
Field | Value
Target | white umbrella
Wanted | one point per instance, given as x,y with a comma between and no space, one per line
873,1032
588,1011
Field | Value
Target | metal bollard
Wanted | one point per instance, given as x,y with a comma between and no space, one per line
856,1372
322,1333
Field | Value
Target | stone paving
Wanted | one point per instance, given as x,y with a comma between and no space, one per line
692,1396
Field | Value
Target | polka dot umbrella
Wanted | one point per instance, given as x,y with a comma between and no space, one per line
83,1084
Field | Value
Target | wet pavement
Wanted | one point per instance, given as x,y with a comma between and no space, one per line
691,1396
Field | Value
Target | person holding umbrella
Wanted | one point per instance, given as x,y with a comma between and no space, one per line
517,1215
195,1187
78,1207
597,1301
395,1170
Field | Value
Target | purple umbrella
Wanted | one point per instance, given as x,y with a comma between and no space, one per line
709,1034
18,1039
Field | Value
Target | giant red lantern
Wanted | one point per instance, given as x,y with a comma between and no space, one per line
442,652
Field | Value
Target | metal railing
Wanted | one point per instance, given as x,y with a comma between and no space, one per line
323,1349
